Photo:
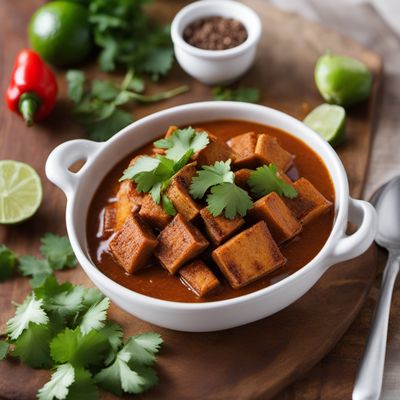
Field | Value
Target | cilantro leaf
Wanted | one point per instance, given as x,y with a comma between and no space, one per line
113,333
58,250
38,269
265,180
142,164
83,387
8,260
91,296
3,349
32,347
76,80
229,197
181,141
57,386
119,377
95,316
209,176
77,349
29,311
143,347
104,90
158,62
245,94
67,303
168,206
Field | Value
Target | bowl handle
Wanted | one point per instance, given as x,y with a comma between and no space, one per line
362,215
64,156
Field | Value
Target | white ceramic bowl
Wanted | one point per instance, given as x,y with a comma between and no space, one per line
216,66
198,317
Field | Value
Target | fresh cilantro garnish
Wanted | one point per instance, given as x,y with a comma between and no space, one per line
127,36
181,141
265,180
128,372
153,175
8,260
225,194
209,176
246,94
65,327
32,347
30,310
57,387
97,105
58,251
229,197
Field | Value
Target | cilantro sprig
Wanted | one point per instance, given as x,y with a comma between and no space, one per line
265,180
98,104
181,141
65,327
225,196
153,174
245,94
58,255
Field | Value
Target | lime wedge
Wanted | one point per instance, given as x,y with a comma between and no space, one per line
329,121
20,191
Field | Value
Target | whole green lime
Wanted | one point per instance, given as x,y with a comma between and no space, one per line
342,80
60,32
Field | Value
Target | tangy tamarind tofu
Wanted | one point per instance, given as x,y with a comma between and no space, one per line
133,245
241,178
216,150
128,198
248,256
309,204
220,228
199,277
153,213
244,146
108,221
178,192
268,151
280,220
178,243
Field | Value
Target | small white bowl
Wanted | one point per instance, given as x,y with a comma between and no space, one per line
200,317
214,67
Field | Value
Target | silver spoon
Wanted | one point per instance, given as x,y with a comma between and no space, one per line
368,383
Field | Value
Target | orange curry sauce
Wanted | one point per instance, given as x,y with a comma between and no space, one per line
156,282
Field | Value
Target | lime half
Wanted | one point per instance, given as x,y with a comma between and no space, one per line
329,121
20,191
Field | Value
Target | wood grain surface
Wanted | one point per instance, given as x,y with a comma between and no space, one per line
259,360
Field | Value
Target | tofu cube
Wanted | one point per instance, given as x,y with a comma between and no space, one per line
178,193
153,213
309,204
269,151
216,150
248,256
108,221
133,245
241,178
128,199
244,147
179,243
280,220
200,279
220,228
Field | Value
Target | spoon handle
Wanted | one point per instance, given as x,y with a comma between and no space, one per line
368,383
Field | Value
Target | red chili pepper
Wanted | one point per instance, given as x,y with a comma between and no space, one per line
33,87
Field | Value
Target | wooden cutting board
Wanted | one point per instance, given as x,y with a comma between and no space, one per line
252,362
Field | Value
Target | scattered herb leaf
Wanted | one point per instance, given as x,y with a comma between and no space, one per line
97,104
58,251
3,349
245,94
57,387
265,180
